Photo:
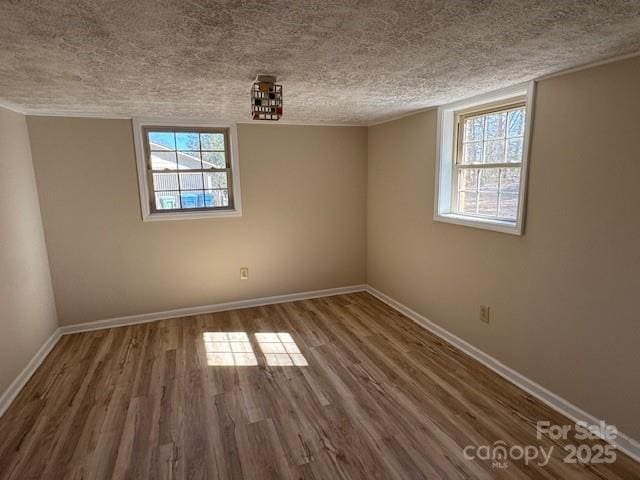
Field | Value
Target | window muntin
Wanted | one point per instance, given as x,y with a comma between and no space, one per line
488,161
189,169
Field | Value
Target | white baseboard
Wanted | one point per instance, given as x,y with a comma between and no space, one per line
623,442
216,307
21,380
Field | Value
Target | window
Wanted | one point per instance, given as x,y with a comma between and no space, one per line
482,159
186,171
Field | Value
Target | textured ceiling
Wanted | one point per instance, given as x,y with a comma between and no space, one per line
351,62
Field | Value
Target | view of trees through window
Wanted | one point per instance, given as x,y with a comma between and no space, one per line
189,169
489,163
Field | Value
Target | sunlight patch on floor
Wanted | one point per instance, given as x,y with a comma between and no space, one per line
280,350
229,349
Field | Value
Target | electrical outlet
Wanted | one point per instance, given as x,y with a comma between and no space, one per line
244,273
484,313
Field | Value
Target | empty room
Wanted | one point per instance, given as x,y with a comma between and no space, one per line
319,240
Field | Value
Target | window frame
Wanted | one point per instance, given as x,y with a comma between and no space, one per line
145,174
449,140
458,166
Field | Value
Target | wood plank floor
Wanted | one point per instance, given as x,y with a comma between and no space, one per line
370,395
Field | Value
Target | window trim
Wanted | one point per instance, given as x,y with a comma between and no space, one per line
446,151
140,126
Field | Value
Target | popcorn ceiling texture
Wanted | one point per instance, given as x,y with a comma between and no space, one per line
345,62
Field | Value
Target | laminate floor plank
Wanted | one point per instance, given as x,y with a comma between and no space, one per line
339,387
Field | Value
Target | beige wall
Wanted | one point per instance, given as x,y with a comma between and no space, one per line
564,297
27,309
303,223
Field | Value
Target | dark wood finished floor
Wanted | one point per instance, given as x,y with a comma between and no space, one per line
370,396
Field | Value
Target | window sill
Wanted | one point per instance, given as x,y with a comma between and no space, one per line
158,217
502,226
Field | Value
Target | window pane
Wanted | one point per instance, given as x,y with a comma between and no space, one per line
212,141
514,149
183,164
191,181
489,179
161,141
472,153
516,123
163,160
494,152
165,181
467,202
215,180
189,161
496,137
510,180
488,203
468,179
187,141
216,198
508,206
193,199
213,160
167,200
474,129
495,125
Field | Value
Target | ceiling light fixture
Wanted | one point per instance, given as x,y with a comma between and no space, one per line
266,98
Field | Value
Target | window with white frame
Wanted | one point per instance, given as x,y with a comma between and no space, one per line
482,159
186,171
